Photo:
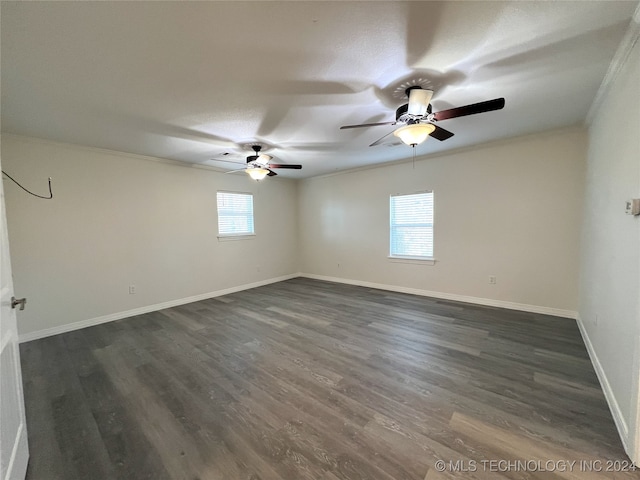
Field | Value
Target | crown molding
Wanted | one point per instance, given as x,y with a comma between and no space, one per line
118,153
579,128
620,58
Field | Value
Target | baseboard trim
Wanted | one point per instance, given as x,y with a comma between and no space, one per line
19,460
48,332
618,419
489,302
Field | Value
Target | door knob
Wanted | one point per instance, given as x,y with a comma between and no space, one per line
18,301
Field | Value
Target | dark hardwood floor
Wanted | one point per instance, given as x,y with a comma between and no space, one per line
306,379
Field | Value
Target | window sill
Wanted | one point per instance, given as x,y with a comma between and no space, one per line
413,260
228,238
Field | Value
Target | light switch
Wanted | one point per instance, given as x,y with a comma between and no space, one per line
633,207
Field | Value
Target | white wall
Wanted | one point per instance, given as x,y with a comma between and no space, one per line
511,209
119,219
610,278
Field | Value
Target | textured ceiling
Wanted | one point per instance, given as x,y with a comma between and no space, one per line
192,80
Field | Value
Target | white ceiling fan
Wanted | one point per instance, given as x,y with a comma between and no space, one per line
419,121
258,166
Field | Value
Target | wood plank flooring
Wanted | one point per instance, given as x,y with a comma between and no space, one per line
306,379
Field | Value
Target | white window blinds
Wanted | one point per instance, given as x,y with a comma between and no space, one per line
412,225
235,214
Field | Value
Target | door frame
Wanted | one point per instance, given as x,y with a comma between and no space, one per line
11,393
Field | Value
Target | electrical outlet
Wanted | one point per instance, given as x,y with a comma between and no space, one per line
492,279
132,289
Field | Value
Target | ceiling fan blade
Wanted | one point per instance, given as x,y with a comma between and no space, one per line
280,165
481,107
367,125
271,173
225,161
380,140
440,133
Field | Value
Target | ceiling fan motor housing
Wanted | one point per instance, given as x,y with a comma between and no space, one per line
403,117
256,148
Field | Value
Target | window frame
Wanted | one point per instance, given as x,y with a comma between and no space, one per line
417,259
241,235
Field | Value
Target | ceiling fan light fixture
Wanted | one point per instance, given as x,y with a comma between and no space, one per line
257,174
419,100
415,133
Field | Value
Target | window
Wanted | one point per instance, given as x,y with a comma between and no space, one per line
235,214
412,225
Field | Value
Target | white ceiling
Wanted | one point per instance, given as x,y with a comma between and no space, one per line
191,80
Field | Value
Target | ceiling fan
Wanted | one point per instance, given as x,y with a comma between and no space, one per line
418,119
258,165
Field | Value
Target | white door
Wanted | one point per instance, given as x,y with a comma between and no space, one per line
14,451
